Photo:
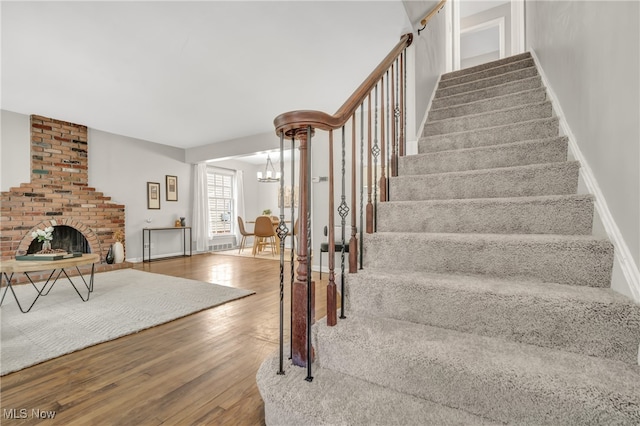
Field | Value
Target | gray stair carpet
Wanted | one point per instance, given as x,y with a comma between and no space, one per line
484,298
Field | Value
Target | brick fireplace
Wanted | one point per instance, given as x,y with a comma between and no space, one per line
59,195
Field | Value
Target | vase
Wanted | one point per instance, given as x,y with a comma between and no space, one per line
109,257
46,245
118,252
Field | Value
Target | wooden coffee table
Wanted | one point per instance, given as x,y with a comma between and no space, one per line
10,267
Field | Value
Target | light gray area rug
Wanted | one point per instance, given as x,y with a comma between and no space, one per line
123,302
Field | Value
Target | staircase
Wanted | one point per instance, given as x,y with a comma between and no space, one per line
484,297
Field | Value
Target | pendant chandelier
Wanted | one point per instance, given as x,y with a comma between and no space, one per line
269,174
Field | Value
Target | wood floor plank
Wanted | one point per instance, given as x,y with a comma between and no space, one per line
199,369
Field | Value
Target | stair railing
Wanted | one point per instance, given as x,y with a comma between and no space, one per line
382,95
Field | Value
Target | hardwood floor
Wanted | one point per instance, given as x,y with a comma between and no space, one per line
197,370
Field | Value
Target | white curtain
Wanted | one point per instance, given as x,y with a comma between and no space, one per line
239,207
201,208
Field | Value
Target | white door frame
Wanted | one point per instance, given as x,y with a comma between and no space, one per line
452,10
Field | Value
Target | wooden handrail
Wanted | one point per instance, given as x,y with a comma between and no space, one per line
293,121
431,14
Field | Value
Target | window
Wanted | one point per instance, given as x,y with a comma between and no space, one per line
221,201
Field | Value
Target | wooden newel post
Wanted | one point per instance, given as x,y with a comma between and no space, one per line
299,296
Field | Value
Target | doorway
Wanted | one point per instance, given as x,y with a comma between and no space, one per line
483,31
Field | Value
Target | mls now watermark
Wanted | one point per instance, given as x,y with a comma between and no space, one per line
23,413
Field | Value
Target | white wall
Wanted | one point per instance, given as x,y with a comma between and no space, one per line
121,166
429,53
15,149
589,52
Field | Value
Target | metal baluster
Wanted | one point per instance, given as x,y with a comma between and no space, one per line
282,234
403,105
343,211
396,120
387,155
293,241
392,124
383,156
353,242
309,377
361,181
331,286
369,171
376,152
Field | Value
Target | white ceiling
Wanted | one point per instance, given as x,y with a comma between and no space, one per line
187,74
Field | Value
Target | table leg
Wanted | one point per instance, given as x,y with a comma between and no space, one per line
40,292
89,288
54,281
8,279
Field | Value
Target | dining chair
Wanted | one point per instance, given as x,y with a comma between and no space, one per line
265,235
324,247
244,234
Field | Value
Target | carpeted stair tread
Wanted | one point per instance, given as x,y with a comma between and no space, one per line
519,181
549,150
482,120
495,135
334,398
552,214
585,320
486,105
486,73
487,82
483,288
564,259
490,377
488,65
517,86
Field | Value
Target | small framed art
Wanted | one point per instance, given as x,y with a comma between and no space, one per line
153,195
172,188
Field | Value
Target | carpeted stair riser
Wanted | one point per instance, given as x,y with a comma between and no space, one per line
589,321
551,150
514,132
490,72
563,259
501,102
489,119
556,214
334,398
488,65
483,295
504,89
519,181
487,82
490,377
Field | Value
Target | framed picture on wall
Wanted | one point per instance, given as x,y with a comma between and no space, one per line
153,195
172,188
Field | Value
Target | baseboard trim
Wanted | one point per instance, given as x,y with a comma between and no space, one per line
426,113
623,257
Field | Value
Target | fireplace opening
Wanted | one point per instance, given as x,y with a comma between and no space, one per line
64,237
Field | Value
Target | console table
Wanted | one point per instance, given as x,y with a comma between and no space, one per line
146,238
26,266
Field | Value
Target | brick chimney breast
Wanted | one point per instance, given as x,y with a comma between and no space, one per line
59,193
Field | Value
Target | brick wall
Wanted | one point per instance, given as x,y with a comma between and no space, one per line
59,193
